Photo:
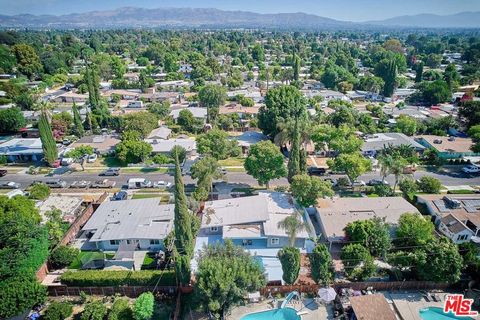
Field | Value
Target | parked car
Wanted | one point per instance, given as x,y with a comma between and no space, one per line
376,182
67,161
81,184
56,183
314,171
471,169
139,183
120,195
105,183
3,173
359,183
162,184
92,158
111,172
9,185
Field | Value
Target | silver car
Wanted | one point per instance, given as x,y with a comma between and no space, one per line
9,185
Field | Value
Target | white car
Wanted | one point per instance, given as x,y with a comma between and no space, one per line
92,158
471,169
162,184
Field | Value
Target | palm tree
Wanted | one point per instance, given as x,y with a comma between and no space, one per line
292,225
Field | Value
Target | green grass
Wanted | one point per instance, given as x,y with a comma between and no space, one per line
460,192
143,170
231,162
112,162
88,256
235,169
163,198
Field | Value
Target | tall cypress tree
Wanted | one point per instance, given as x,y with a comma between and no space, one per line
49,146
294,157
77,122
296,67
184,238
390,78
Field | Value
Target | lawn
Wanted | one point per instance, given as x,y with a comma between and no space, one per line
163,198
235,169
232,162
86,256
143,170
112,162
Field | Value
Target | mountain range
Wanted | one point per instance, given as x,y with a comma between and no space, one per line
131,17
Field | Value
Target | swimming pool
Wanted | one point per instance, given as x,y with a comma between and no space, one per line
275,314
434,313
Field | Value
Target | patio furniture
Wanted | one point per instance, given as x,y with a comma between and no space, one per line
254,297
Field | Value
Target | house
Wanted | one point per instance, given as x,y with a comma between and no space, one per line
162,133
135,104
252,222
327,95
243,112
249,138
165,146
198,113
370,306
333,215
102,144
448,147
376,142
71,97
143,223
22,150
456,216
70,206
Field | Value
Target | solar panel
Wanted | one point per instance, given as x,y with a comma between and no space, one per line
440,204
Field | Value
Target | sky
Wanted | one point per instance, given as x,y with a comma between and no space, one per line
352,10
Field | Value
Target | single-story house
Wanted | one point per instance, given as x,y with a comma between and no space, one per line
335,214
252,222
448,147
71,97
22,150
457,216
160,133
249,138
197,112
243,112
102,144
376,142
142,222
70,206
164,146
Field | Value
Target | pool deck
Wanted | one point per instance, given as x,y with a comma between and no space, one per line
408,305
313,310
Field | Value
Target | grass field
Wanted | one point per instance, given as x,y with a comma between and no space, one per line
163,198
231,162
86,256
143,170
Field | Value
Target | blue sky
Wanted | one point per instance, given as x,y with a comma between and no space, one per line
355,10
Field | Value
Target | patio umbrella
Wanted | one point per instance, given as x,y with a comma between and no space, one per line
327,294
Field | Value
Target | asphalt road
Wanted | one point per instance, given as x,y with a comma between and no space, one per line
239,179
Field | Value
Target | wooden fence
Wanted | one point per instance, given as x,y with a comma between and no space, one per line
129,291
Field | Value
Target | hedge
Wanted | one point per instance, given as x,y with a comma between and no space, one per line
105,278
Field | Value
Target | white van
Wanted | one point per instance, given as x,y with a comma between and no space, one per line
139,183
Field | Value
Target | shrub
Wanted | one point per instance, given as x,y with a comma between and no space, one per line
39,191
161,159
143,308
94,310
290,259
87,278
383,190
408,187
63,256
429,184
18,295
3,159
120,310
58,311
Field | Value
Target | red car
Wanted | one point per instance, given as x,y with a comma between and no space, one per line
56,163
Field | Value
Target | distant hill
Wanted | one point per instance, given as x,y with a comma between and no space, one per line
459,20
130,17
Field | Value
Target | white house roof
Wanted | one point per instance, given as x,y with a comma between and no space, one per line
131,219
163,146
379,140
249,138
196,111
160,133
18,146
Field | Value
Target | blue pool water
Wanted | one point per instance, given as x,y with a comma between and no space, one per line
275,314
434,313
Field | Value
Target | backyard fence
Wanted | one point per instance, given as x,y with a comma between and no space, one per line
129,291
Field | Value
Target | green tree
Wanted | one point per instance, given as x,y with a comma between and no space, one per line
226,273
429,184
49,146
28,62
77,122
142,122
373,234
296,158
160,109
321,265
120,310
39,191
205,171
469,113
440,261
354,165
143,307
11,120
131,150
212,97
79,152
357,261
94,310
435,92
342,139
265,162
180,152
406,125
215,143
307,189
419,72
408,186
62,256
290,259
58,310
18,295
387,70
297,64
414,230
282,104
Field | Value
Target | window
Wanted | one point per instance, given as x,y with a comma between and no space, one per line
275,241
154,241
114,242
213,229
246,242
